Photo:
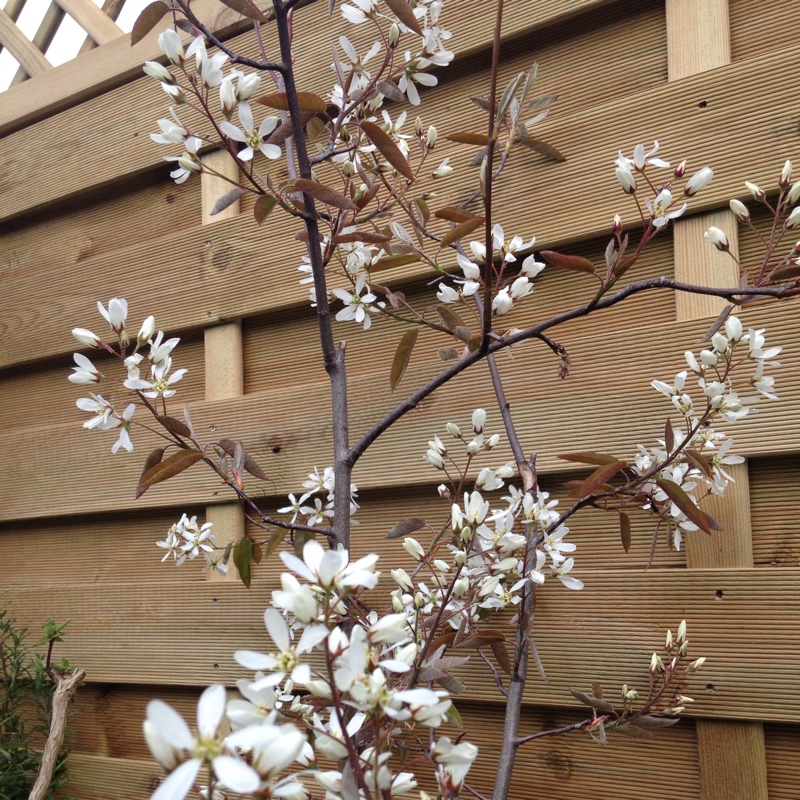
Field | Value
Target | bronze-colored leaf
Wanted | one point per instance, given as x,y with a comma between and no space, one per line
543,148
168,468
624,265
462,332
388,149
403,12
307,101
482,103
717,324
712,523
175,426
626,729
448,354
247,9
228,199
372,237
423,208
501,656
478,139
682,500
151,460
286,129
449,318
150,17
406,526
461,230
593,702
669,436
249,463
402,356
589,457
653,723
482,639
699,461
625,530
242,559
454,214
263,207
326,195
562,261
387,262
601,476
452,684
390,91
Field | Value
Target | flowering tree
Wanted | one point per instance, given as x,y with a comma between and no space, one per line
347,702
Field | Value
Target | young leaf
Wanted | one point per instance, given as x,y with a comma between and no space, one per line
460,231
462,332
326,195
601,476
684,503
699,461
301,539
263,207
717,324
168,468
372,237
478,139
543,148
482,103
228,199
593,702
589,457
246,9
452,684
308,101
625,265
651,723
390,91
669,436
147,20
448,354
501,655
625,530
242,559
388,149
406,526
175,426
394,261
574,263
449,318
250,465
151,460
454,214
402,356
403,12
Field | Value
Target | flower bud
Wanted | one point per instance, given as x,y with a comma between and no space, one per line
616,225
740,210
453,430
401,578
475,446
431,137
443,490
170,43
682,632
394,35
435,459
717,237
696,664
680,169
158,71
247,86
478,420
692,361
493,441
656,664
460,558
441,566
793,194
709,358
631,694
460,587
626,180
719,342
755,190
698,181
413,548
418,126
733,330
668,641
348,169
227,97
147,330
86,337
794,219
786,175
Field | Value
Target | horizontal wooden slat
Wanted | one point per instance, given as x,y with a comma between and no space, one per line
23,51
287,428
745,621
758,27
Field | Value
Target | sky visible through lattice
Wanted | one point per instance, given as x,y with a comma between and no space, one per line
68,39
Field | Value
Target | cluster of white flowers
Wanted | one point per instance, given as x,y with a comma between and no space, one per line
712,370
292,712
507,291
320,487
154,382
187,539
663,206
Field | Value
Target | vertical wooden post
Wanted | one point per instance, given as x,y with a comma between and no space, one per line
223,348
731,755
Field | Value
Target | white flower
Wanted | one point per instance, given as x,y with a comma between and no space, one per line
159,385
561,571
124,440
331,569
254,139
443,170
188,161
294,505
171,132
447,294
410,77
531,267
359,12
170,739
275,747
659,208
357,307
172,47
101,409
85,372
296,598
502,303
116,313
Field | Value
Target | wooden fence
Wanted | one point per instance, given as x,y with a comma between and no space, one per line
87,212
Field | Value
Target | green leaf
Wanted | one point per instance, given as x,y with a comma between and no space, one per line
402,356
405,527
263,207
307,101
147,20
301,538
242,559
168,468
326,195
684,503
388,149
274,541
573,263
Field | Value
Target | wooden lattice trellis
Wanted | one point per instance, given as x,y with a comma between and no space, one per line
98,23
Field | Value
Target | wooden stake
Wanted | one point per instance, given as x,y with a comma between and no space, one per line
224,366
732,755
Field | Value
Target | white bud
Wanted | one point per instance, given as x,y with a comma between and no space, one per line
786,175
413,548
158,71
460,587
755,190
717,237
475,446
86,337
668,641
492,441
794,218
682,632
697,663
394,35
435,459
740,210
147,330
478,420
733,328
709,358
431,137
720,342
692,361
453,430
626,180
171,45
400,577
507,470
698,181
793,194
460,558
443,490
